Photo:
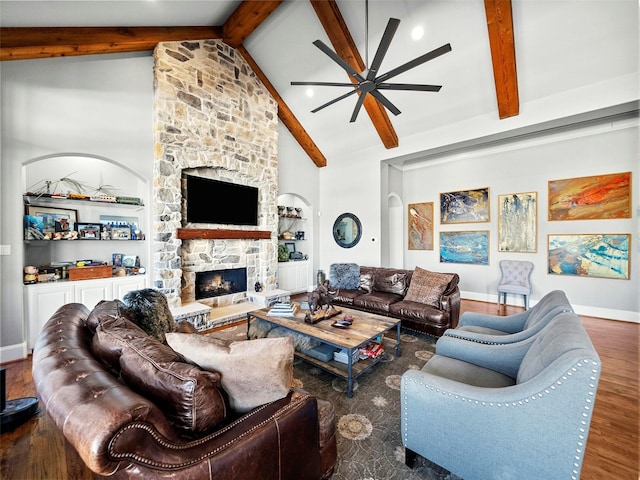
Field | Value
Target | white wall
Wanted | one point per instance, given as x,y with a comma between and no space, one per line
526,166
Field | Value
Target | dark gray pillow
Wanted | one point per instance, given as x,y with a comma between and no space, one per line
345,275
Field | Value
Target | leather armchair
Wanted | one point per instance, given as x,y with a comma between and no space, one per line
516,411
120,433
495,329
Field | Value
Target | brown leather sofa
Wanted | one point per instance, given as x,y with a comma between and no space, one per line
383,291
123,434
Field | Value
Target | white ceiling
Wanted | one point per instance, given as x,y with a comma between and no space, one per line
574,53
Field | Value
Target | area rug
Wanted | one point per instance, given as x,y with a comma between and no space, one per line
368,424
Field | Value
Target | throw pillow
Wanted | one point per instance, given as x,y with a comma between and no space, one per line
149,309
427,287
345,275
366,282
391,281
189,397
254,372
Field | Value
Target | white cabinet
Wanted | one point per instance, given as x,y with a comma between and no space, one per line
294,276
43,299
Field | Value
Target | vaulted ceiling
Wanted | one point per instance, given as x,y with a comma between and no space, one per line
498,56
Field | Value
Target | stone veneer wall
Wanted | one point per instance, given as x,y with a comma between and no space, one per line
212,117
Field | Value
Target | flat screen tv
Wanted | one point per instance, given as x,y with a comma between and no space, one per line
213,201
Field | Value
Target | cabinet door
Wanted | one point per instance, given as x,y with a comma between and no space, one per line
287,277
122,286
42,303
91,292
302,277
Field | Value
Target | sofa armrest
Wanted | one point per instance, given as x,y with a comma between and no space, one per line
503,358
508,324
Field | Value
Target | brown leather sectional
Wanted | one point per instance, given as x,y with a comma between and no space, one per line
123,434
387,297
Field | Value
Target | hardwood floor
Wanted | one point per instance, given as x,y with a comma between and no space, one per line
37,450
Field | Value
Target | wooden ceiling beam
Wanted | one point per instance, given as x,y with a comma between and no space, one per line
245,19
285,114
22,43
503,56
334,25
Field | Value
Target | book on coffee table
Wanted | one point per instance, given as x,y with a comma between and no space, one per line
283,309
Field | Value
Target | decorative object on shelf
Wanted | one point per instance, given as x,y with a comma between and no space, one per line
287,235
300,235
291,247
53,219
283,253
30,274
281,209
298,212
50,187
347,230
121,233
131,261
89,231
116,259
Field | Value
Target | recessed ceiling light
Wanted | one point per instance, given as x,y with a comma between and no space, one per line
309,92
417,33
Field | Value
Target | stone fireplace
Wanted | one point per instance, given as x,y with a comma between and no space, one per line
214,118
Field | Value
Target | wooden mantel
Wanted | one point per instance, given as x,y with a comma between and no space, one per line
222,234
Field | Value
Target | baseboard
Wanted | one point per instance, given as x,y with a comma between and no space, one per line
11,353
586,310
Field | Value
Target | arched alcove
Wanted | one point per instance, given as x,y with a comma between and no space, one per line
396,231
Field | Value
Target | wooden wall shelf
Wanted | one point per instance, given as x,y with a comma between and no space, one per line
222,234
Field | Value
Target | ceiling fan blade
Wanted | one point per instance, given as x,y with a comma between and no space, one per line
333,101
389,32
358,106
409,86
327,84
349,69
385,101
414,63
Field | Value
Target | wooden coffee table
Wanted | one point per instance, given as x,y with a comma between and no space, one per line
366,327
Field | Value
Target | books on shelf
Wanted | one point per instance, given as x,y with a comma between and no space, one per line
283,309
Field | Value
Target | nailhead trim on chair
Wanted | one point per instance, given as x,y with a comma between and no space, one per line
583,422
162,441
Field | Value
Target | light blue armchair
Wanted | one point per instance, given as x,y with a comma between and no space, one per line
495,329
507,412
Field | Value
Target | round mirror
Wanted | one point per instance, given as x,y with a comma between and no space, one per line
347,230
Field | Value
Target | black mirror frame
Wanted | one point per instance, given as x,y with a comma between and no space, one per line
356,220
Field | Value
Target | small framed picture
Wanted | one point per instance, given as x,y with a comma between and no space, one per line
89,231
116,259
291,247
120,233
53,219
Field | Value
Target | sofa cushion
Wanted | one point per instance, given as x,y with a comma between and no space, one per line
466,373
366,282
377,302
427,287
345,297
149,309
390,280
254,372
344,275
189,397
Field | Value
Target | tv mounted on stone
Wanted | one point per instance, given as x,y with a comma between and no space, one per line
214,201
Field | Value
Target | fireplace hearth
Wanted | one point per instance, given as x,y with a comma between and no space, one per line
215,283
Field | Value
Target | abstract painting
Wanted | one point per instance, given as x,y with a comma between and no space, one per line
518,222
465,247
592,255
420,221
591,198
467,206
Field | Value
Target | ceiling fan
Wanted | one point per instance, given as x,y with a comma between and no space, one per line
368,81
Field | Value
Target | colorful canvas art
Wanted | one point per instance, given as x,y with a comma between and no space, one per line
420,222
591,198
467,206
592,255
518,222
465,247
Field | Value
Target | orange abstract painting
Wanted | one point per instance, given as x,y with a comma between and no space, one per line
591,198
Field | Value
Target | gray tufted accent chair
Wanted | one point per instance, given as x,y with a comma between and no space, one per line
515,280
517,411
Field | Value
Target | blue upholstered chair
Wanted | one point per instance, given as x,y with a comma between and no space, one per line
493,329
518,411
515,280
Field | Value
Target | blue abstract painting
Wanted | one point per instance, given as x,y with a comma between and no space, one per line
466,206
592,255
465,247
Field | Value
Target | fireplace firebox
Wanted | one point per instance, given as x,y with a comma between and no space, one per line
214,283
